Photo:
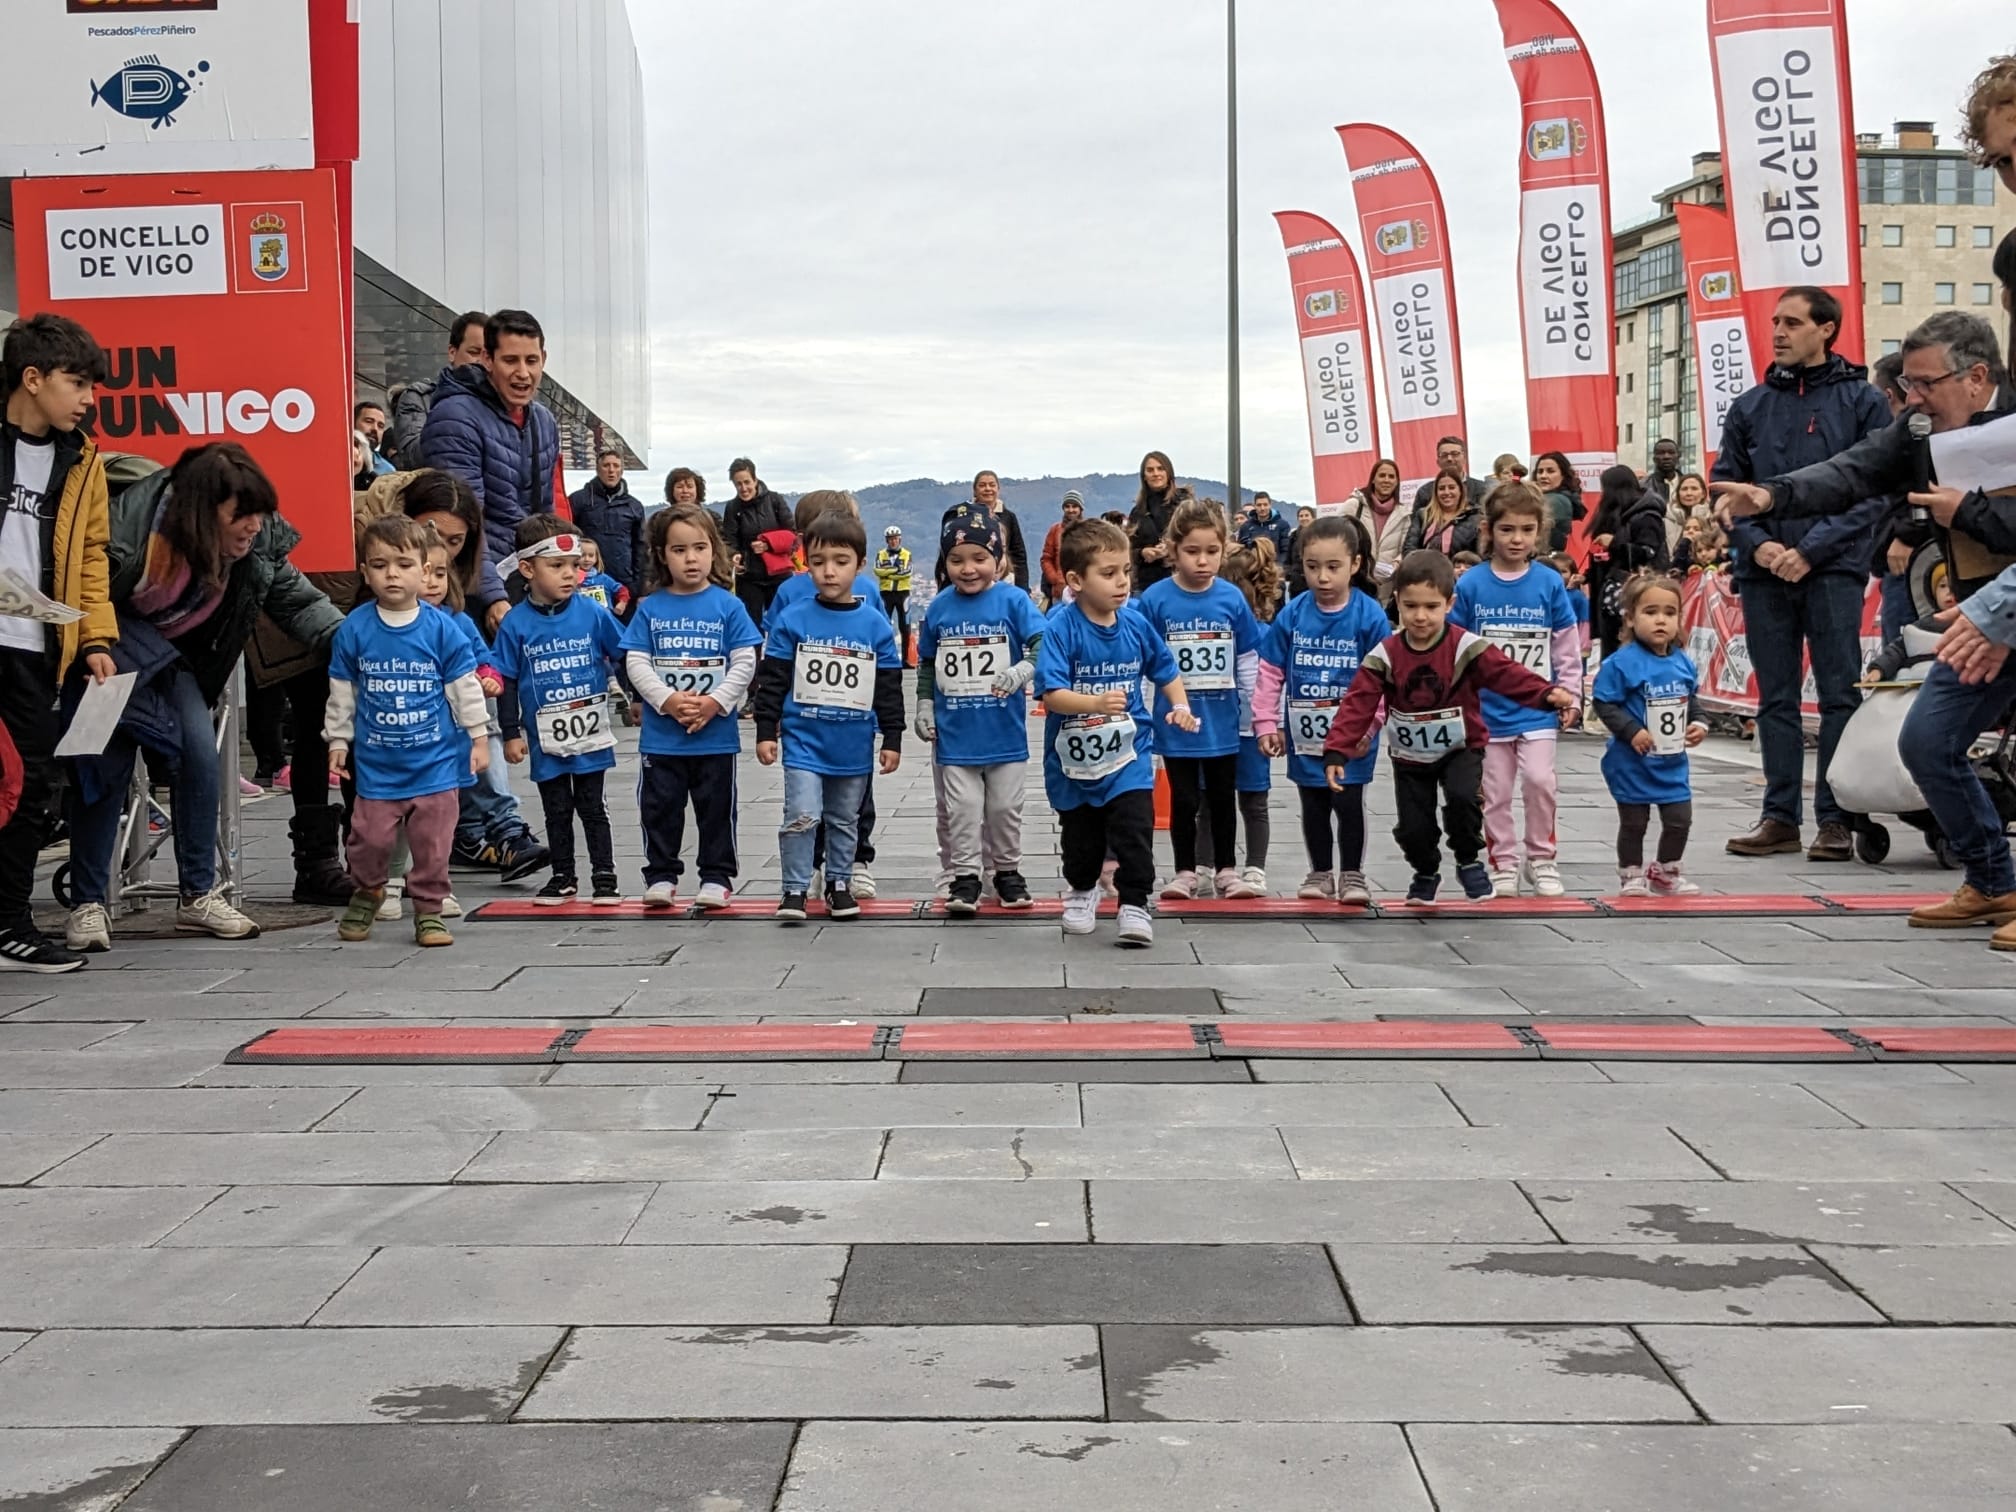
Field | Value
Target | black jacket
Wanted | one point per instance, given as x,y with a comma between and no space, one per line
742,523
614,522
1637,544
1476,487
1147,524
1464,531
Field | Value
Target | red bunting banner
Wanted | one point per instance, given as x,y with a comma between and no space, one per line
1330,320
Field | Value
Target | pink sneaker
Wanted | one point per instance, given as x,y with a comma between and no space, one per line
1181,887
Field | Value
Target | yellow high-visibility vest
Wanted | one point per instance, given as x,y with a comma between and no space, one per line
892,570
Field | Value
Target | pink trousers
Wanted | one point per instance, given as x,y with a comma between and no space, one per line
1525,763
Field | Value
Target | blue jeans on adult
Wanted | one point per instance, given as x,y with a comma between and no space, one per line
811,798
94,827
1898,608
489,810
1821,615
1945,719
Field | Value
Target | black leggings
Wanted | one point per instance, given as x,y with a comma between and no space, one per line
1259,827
1633,819
1214,780
563,797
897,605
1320,808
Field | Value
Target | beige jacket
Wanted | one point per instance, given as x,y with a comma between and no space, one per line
1388,545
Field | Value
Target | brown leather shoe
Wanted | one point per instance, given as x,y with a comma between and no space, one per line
1832,843
1772,837
2005,938
1967,907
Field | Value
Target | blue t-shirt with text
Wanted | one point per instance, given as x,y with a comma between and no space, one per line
406,743
561,657
1633,677
847,644
799,589
1519,617
1084,657
1319,654
690,638
1207,633
978,636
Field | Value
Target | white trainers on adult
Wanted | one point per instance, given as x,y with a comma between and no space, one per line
1319,887
451,907
89,928
1081,912
1665,881
211,915
1632,883
1506,883
1351,888
660,895
712,895
862,885
1543,878
1137,930
395,893
1181,888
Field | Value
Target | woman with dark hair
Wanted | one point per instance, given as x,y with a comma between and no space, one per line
685,486
1627,536
756,526
1554,476
1448,522
1155,505
197,553
1378,509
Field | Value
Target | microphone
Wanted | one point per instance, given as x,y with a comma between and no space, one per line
1920,426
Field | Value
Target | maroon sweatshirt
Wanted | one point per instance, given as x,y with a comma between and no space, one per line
1451,674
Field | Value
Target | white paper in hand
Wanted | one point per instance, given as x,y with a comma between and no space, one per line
1979,456
97,715
23,600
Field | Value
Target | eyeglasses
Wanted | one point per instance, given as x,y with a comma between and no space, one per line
1915,386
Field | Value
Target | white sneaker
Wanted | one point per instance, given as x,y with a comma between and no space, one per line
863,885
714,895
451,907
89,928
660,895
1253,881
211,915
1632,882
1544,878
1137,930
1351,888
1319,886
1506,883
1182,887
394,904
1081,912
1666,881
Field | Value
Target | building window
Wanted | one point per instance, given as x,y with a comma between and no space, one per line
1942,294
1984,236
1984,294
1653,273
1893,293
1655,370
1627,432
1864,230
1893,236
1630,383
1916,180
1945,236
1891,348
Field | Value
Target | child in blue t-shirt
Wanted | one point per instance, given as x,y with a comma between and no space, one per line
691,655
1252,570
1645,696
976,652
597,584
556,651
1216,642
406,718
1525,613
831,677
1312,654
1098,743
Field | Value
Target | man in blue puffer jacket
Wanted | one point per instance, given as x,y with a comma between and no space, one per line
487,427
1802,580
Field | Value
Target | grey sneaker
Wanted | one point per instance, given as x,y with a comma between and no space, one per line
211,915
1137,929
861,884
89,928
1351,888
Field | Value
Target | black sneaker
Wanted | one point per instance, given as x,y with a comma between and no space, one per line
606,890
557,890
26,948
1477,884
472,858
840,903
1012,890
964,897
1421,891
520,856
791,908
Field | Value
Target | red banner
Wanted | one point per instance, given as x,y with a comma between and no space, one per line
1711,620
1413,284
1788,155
1564,240
1724,364
1336,356
218,298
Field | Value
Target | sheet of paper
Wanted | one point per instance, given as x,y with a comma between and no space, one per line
1980,456
23,600
97,715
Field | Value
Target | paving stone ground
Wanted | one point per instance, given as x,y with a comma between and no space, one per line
994,1286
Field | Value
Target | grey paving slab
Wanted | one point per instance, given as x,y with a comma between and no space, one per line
1883,1007
81,1218
1958,969
1600,1152
896,1107
76,1469
169,1288
609,1284
866,975
15,1038
1998,1197
1446,1073
1858,1154
1764,1212
261,1216
1960,1107
1100,1283
417,973
1754,1104
103,989
353,1077
1678,1468
808,1155
1384,1375
1372,1104
9,1342
787,1002
278,1159
1167,1071
252,1010
938,1372
1084,1154
456,1109
164,1378
136,1111
1591,981
1414,1283
415,1001
1113,968
23,1157
105,1068
1835,1375
865,1212
737,1073
1920,1284
613,1467
1315,1212
1116,1467
1330,1001
1816,1077
990,1002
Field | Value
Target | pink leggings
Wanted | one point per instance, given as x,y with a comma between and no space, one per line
1527,764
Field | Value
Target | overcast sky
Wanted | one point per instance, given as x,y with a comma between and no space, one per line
902,238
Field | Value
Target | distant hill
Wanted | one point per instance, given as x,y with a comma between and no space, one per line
918,504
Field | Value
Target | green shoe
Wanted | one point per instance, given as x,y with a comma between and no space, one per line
360,915
429,930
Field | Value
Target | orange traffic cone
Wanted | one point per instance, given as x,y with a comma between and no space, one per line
1162,799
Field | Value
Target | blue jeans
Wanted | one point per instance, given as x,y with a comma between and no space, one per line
1822,616
94,827
1898,608
809,799
1945,719
489,811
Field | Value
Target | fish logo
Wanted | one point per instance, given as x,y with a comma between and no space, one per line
1400,236
147,89
269,247
1716,287
1322,304
1551,140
